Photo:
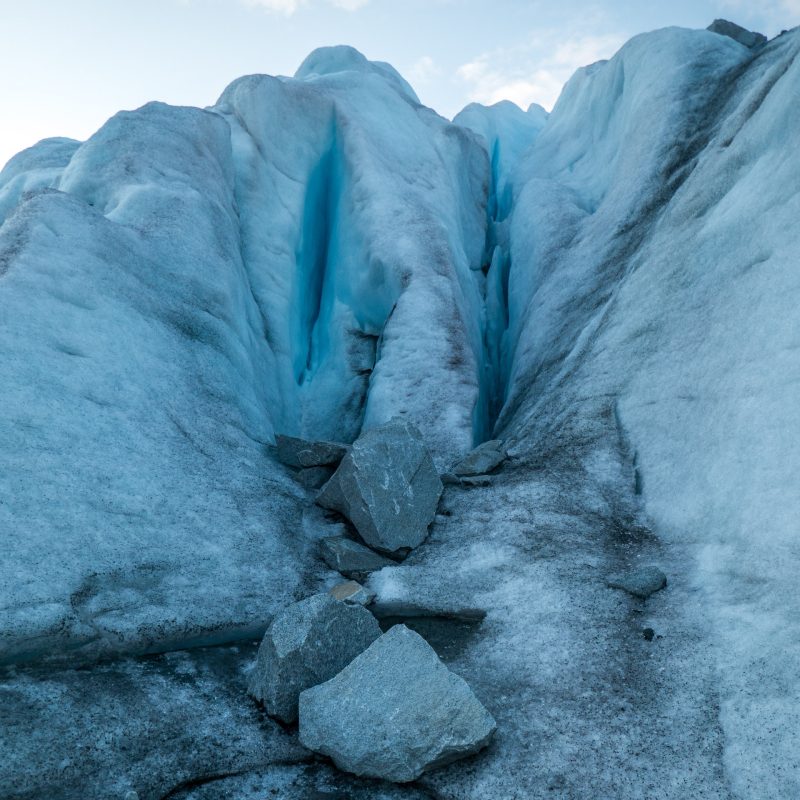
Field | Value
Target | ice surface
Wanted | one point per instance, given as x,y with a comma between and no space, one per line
653,294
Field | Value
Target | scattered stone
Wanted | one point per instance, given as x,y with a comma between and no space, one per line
649,634
483,459
352,559
387,486
479,481
739,34
306,644
352,592
394,712
300,453
314,477
641,582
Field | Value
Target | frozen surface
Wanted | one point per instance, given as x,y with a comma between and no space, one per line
653,302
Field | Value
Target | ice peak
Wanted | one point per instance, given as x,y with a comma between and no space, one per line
343,58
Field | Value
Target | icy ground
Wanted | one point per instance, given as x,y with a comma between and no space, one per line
612,288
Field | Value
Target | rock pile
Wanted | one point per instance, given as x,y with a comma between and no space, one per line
382,706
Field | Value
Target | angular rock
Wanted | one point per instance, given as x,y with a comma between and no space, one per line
387,486
300,453
394,712
314,477
352,592
484,458
641,582
352,559
739,34
306,644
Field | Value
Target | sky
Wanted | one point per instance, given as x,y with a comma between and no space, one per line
68,65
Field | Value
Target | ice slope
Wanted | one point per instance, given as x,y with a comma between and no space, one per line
181,286
652,302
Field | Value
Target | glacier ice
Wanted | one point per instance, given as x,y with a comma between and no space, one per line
610,288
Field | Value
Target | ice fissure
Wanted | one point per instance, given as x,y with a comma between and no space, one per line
315,259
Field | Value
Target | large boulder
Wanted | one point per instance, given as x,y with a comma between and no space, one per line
301,453
394,712
350,558
484,458
387,486
306,644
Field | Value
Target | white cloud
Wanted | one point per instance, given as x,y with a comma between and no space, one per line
534,72
423,70
769,15
288,7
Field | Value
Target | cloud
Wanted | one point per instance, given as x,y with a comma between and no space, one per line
769,15
423,70
535,71
288,7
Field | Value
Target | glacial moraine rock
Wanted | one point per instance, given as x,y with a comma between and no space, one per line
640,582
314,477
352,592
351,559
739,34
387,486
395,712
306,644
483,459
301,453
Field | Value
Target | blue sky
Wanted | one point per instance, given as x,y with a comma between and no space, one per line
67,65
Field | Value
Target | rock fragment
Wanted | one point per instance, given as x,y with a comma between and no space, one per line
306,644
483,459
352,592
301,453
394,712
640,582
313,477
739,34
352,559
387,486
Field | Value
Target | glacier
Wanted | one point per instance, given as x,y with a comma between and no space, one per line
611,288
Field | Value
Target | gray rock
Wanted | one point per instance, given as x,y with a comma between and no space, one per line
314,477
395,712
299,453
484,458
641,582
306,644
387,486
352,592
739,34
352,559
